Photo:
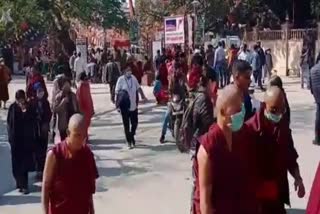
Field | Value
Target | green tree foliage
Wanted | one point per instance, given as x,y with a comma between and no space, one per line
56,16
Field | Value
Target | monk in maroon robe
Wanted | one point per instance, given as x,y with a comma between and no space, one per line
223,167
275,154
70,173
314,199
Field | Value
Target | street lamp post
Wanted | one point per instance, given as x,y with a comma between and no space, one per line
195,5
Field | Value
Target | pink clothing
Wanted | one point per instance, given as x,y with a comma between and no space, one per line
85,102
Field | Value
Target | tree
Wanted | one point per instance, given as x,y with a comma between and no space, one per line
55,16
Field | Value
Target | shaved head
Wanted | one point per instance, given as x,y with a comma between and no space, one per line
76,122
229,96
274,94
76,132
275,100
229,103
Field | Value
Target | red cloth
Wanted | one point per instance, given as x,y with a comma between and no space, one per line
137,71
73,182
163,72
162,97
314,199
85,102
275,155
31,93
194,77
233,190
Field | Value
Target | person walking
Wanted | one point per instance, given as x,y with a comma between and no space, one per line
71,65
22,127
275,154
304,68
69,178
224,154
112,75
85,101
65,105
244,53
232,57
315,90
269,65
220,64
79,66
35,79
5,78
257,67
210,55
127,89
43,116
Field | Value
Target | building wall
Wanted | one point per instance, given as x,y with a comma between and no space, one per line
278,49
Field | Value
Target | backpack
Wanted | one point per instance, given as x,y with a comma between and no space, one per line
123,100
187,130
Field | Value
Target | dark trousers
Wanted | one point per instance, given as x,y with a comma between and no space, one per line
127,118
317,124
223,76
22,180
41,153
257,74
112,91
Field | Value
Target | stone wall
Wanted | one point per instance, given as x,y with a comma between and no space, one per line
278,49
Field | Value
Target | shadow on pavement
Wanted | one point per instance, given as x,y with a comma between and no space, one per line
122,170
19,199
104,148
296,211
158,148
98,142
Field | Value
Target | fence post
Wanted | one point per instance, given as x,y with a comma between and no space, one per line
287,31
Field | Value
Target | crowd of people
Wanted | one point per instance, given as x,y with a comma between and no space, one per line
242,149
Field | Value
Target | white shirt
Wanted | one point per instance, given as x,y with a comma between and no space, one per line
132,86
244,56
220,55
79,66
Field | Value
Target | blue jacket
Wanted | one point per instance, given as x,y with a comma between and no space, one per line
256,62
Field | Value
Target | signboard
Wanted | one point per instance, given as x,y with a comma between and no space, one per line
174,30
82,47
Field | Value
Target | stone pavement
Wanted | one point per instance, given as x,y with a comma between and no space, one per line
155,178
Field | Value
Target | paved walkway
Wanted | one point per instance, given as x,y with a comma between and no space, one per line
155,178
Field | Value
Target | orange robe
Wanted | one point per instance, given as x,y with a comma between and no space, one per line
314,199
85,102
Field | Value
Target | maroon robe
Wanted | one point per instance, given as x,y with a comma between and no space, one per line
73,182
314,199
233,190
275,156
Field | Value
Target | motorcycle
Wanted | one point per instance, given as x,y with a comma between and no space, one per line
178,107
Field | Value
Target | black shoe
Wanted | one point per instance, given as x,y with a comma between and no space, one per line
20,190
25,191
162,138
316,142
